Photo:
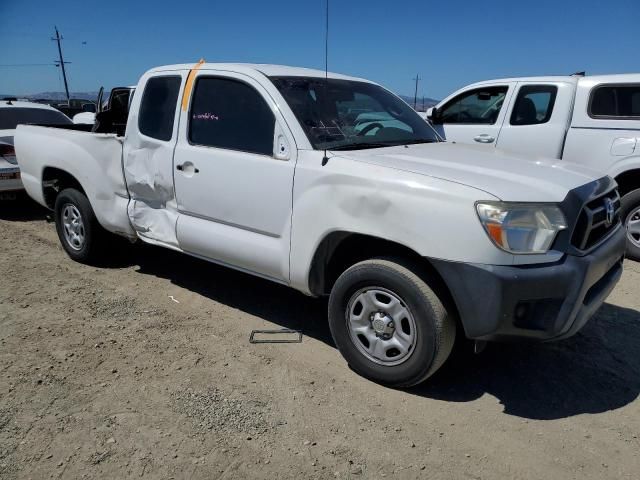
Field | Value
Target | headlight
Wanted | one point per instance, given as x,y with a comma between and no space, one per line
521,227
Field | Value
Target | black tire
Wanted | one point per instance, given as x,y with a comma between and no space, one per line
92,247
435,329
631,210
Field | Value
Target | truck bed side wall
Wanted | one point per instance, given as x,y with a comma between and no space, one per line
94,160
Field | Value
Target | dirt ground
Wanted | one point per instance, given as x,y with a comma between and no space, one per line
104,375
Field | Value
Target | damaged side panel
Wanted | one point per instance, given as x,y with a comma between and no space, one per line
148,157
152,209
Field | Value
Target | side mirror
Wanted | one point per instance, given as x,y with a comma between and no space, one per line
433,115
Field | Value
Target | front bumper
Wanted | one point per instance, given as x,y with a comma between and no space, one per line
544,302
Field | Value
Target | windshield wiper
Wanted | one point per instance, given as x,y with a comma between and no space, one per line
362,146
424,140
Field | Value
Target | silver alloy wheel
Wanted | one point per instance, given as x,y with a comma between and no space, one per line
73,226
633,227
381,326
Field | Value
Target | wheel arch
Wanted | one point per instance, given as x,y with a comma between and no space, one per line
55,180
628,181
339,250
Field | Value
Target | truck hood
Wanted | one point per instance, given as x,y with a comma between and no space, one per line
505,175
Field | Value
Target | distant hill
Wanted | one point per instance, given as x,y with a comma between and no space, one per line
428,102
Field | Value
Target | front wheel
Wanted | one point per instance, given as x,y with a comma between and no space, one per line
631,217
389,324
78,229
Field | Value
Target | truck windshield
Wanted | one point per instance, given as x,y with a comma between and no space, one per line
349,115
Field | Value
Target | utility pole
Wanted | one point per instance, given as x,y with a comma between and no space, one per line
64,73
415,95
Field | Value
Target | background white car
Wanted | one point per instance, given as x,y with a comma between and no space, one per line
84,118
13,113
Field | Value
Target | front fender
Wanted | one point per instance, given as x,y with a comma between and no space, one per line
433,217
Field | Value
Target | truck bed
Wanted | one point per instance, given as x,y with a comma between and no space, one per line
94,160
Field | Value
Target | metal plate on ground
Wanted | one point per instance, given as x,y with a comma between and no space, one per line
283,335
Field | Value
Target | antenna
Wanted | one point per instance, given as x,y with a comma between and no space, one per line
325,159
57,38
326,42
415,95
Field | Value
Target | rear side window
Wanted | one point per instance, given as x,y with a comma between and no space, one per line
534,104
615,101
480,106
230,114
158,107
10,118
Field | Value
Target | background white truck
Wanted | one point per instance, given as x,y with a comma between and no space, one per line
334,186
593,121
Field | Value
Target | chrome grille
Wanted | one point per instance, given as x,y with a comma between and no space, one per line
597,218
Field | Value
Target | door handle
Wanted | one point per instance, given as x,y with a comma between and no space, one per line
181,167
484,138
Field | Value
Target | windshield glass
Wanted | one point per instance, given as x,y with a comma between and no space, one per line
12,117
345,114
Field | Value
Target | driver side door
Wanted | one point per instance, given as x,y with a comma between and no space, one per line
233,172
474,116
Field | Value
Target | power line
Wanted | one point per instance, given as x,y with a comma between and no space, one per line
28,64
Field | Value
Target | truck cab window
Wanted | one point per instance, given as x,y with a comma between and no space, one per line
534,104
230,114
158,107
479,106
615,101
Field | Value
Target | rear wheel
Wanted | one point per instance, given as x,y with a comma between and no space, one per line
389,324
631,217
80,233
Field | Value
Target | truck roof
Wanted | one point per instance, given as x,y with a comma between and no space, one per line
609,78
266,69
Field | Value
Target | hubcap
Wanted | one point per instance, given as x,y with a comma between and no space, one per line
381,326
73,226
633,227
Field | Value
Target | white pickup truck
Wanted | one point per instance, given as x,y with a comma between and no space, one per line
593,121
334,186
